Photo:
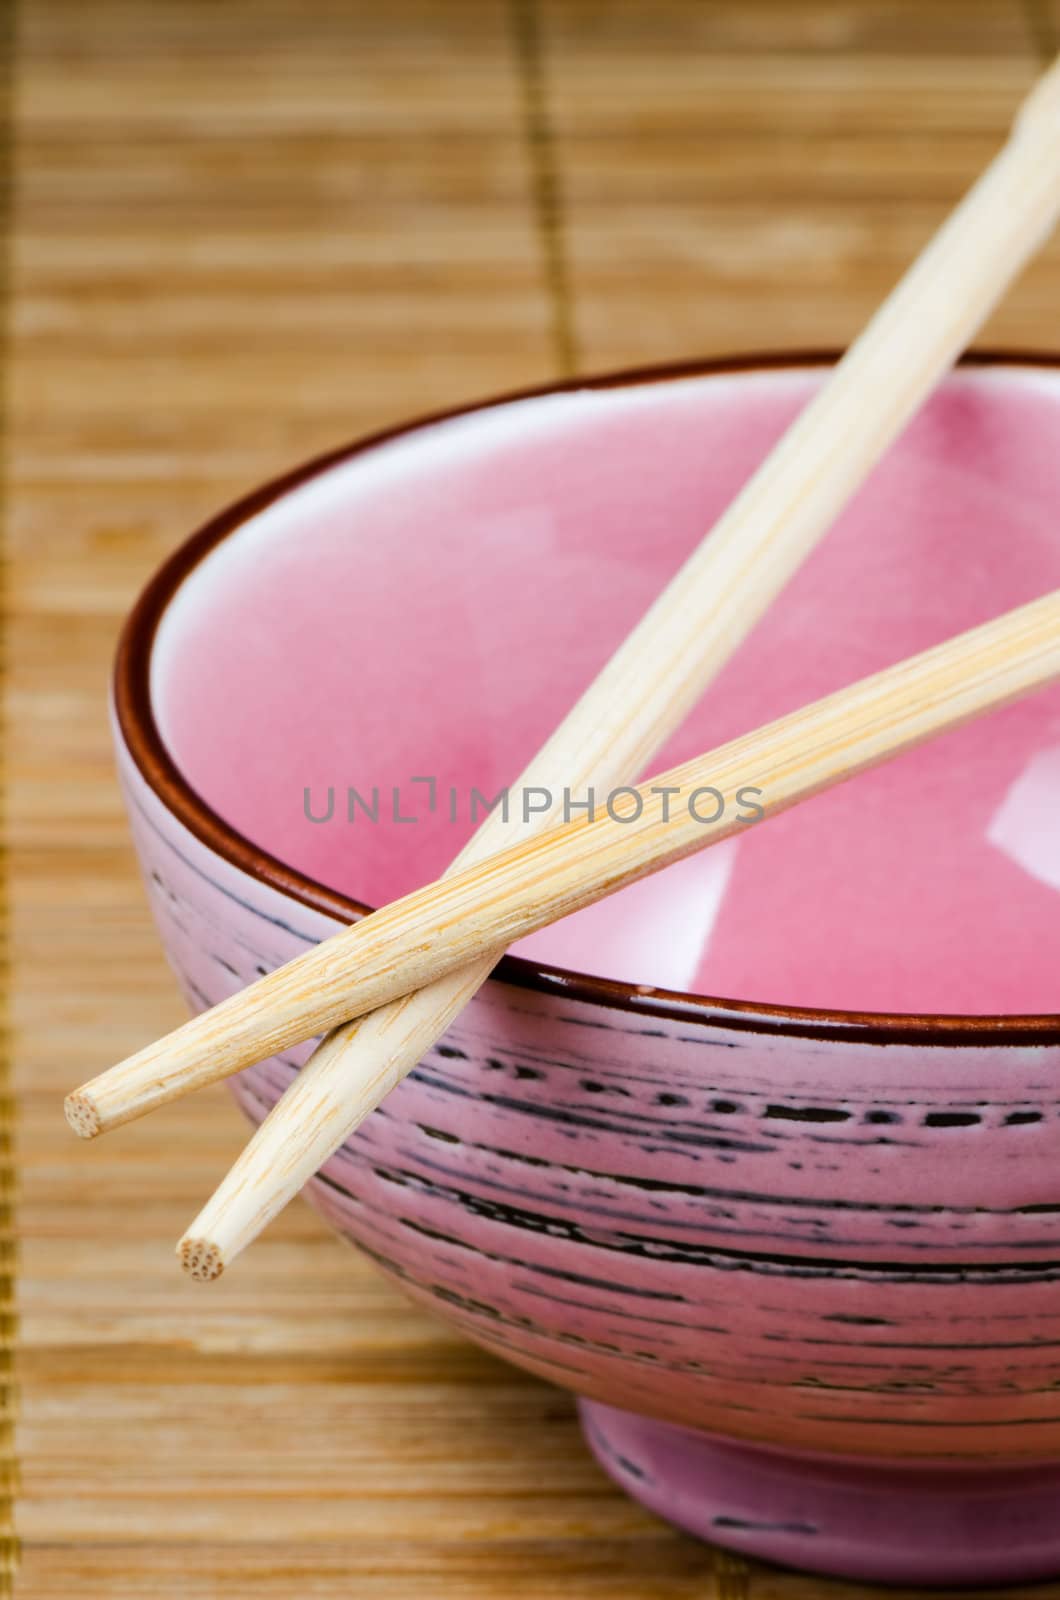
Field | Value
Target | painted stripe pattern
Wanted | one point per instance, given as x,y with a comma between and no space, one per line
821,1245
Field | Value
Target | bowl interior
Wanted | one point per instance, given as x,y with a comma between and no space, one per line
429,609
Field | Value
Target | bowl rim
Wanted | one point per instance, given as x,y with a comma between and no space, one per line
140,732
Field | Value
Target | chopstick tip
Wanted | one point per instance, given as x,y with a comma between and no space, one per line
82,1114
200,1258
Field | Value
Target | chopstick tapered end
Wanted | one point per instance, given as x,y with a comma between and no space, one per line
82,1114
200,1258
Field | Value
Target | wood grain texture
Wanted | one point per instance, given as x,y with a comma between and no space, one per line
245,232
8,1243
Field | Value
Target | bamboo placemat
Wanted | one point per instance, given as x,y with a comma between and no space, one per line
244,231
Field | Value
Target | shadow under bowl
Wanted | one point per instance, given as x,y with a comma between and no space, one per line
798,1254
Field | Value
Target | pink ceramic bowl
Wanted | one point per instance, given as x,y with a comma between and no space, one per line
798,1252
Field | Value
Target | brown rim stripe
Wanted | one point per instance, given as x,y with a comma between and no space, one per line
8,1243
140,732
546,190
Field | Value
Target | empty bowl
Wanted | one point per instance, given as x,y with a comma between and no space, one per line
758,1158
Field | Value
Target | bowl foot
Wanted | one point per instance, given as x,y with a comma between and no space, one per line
860,1520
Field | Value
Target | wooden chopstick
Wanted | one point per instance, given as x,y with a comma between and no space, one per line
762,538
704,614
416,940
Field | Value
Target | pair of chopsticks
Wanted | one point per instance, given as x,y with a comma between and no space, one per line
416,963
